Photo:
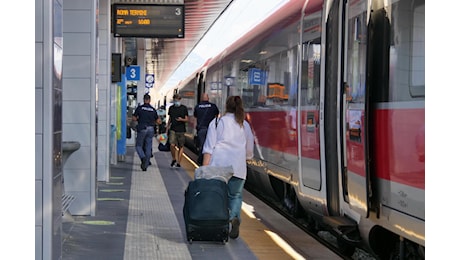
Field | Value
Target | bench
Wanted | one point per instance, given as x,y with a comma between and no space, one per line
66,200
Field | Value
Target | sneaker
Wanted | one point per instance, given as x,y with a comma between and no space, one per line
177,165
235,232
172,163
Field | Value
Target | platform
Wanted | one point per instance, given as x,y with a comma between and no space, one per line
139,216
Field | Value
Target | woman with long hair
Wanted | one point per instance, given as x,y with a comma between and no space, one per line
230,142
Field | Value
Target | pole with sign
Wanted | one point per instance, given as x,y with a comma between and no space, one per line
149,80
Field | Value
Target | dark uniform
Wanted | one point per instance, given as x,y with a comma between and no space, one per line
204,113
146,116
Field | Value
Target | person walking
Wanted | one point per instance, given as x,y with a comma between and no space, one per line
147,117
204,112
178,116
230,142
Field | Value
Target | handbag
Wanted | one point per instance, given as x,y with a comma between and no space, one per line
164,147
162,138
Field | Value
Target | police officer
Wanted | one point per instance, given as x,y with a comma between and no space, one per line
204,113
147,117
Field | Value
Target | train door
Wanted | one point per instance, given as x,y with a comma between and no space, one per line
355,107
200,87
309,101
345,106
331,108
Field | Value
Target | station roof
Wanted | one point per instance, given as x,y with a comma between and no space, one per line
163,56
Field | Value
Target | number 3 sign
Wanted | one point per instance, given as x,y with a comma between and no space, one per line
133,73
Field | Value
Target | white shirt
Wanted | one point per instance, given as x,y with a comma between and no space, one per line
229,144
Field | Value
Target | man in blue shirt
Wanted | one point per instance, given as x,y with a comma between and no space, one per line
204,113
147,117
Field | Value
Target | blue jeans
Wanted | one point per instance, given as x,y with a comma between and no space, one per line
235,196
144,142
201,133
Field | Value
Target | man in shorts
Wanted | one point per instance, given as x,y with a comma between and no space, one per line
178,117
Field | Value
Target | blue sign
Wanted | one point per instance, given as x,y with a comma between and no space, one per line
229,81
256,77
149,80
216,86
133,73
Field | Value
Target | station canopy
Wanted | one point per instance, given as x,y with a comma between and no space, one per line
164,55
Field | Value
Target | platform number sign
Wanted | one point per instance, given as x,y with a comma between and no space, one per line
133,73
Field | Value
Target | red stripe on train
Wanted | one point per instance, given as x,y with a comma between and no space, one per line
398,145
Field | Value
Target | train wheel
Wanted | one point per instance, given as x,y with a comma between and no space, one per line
345,248
299,211
311,224
407,250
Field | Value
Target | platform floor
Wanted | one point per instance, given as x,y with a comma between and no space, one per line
139,216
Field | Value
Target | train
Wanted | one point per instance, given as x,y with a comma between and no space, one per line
335,94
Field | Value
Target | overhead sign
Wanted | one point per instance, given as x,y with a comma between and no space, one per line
133,73
148,20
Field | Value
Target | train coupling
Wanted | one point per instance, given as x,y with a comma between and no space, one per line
344,228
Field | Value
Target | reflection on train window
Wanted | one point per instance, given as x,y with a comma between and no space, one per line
407,51
356,50
311,65
269,81
215,88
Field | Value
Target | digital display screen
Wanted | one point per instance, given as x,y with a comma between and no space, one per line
148,20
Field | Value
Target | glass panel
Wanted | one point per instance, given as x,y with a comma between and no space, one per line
407,50
311,65
356,51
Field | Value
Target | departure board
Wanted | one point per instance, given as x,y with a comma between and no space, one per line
148,20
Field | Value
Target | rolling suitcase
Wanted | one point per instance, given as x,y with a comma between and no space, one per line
206,211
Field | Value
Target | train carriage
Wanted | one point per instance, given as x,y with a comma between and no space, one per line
335,94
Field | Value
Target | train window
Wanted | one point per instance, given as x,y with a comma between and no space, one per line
215,88
269,81
266,74
356,51
407,51
311,62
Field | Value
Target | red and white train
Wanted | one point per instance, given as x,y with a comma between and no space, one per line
335,93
